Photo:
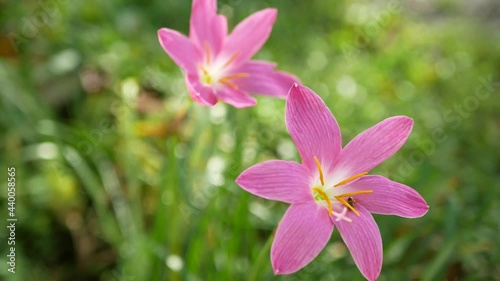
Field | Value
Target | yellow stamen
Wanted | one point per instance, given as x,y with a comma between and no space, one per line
355,193
226,79
347,205
203,69
325,197
236,75
207,50
320,170
228,83
231,59
350,179
341,200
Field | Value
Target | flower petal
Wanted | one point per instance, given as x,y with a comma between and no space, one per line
235,97
249,35
206,26
198,92
179,48
388,197
301,235
374,145
277,180
362,237
313,128
263,79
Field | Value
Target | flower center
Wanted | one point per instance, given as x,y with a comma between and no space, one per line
320,194
213,73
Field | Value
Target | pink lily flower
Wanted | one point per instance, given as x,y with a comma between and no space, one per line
331,186
217,65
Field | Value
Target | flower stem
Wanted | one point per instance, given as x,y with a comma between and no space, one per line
261,258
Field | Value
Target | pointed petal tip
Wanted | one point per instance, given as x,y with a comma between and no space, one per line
423,211
389,197
375,145
426,210
421,207
239,179
362,238
307,117
296,89
163,33
404,118
278,270
271,12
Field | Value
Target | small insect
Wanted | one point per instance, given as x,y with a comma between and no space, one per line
351,201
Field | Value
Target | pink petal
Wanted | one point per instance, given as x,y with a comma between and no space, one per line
302,234
207,26
374,145
313,128
388,197
198,92
235,97
362,237
277,180
180,49
263,79
249,35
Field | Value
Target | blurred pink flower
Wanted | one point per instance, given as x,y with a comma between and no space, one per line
331,187
218,65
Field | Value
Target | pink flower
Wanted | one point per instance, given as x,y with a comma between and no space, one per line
331,186
218,65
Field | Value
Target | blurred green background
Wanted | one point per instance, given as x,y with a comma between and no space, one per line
121,178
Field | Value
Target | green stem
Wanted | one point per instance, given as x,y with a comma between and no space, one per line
261,258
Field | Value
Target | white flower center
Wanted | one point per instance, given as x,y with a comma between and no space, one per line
344,201
216,72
